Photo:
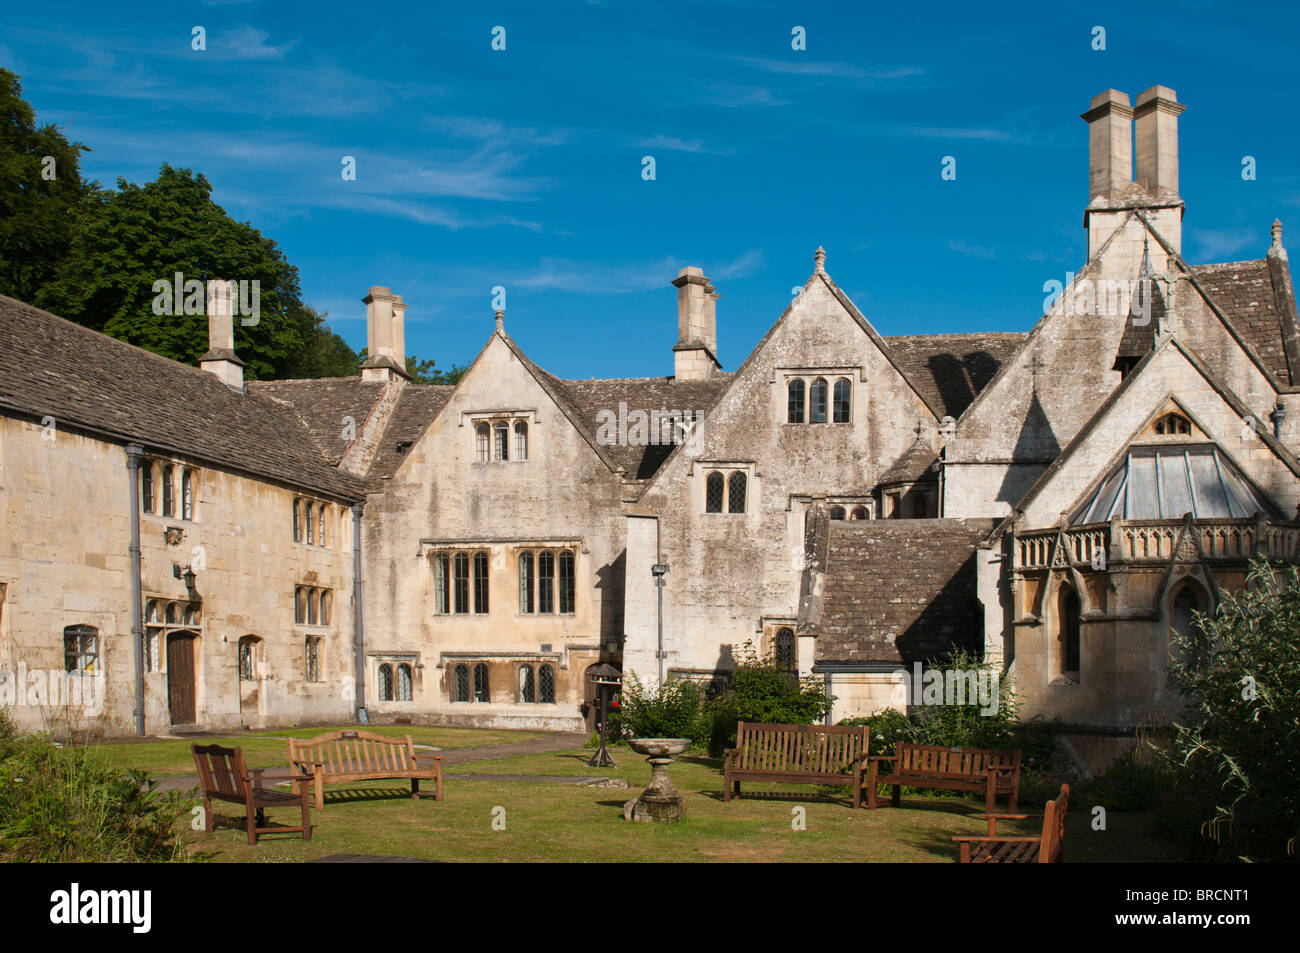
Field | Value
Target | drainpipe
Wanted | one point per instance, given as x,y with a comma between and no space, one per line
358,625
830,699
1279,415
134,452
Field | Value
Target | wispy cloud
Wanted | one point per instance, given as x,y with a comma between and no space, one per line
1222,244
560,274
829,70
246,43
732,95
675,144
974,251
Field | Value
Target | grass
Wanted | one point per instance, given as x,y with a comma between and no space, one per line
266,749
560,822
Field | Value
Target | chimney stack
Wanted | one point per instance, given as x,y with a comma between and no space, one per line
1110,144
695,353
1156,119
221,358
385,336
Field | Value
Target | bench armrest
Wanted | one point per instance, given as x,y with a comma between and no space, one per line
998,840
883,757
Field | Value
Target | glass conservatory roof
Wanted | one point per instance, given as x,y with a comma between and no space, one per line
1169,481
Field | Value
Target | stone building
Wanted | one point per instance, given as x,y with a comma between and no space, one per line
851,503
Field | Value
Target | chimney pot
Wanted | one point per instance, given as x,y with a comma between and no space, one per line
385,336
221,358
1156,122
694,355
1110,144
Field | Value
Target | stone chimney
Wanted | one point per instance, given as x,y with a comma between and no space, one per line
695,353
220,358
385,336
1156,122
1110,145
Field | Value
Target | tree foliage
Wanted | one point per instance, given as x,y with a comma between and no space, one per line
1238,747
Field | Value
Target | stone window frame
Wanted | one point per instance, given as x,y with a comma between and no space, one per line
494,451
531,593
538,673
313,607
396,679
832,375
443,562
160,622
169,488
310,517
314,659
727,470
84,657
250,650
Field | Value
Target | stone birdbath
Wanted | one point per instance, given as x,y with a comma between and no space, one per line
659,802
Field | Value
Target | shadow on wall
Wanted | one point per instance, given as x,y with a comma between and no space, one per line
951,620
1037,443
960,379
609,581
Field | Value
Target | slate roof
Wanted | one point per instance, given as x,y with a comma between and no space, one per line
899,590
1243,290
323,404
51,366
417,405
590,397
950,369
913,465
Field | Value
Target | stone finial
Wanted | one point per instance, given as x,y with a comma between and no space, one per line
1276,232
819,261
501,320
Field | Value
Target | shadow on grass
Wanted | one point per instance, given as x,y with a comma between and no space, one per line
350,795
792,797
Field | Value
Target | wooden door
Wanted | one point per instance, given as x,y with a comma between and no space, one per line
180,677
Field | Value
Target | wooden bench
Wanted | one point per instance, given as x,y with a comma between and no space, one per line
1047,848
337,757
953,769
223,777
797,754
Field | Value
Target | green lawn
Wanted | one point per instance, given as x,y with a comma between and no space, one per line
556,822
266,749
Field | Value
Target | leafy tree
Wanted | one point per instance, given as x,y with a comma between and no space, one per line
1238,748
324,353
40,189
425,372
125,241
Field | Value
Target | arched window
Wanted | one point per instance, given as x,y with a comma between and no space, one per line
521,440
441,591
385,682
1067,625
525,582
1173,424
860,513
481,437
297,521
168,491
192,615
173,613
460,582
713,488
313,662
501,444
526,684
837,512
326,606
817,400
187,494
783,649
481,691
81,649
146,486
403,683
546,685
842,407
736,486
248,657
480,583
460,683
300,605
567,589
324,521
545,582
313,606
1181,619
311,525
794,402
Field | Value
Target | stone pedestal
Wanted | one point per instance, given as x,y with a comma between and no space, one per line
659,802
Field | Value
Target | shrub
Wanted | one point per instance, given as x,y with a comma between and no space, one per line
61,804
673,711
1237,750
887,728
760,691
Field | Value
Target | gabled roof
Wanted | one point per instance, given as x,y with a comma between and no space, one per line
323,404
899,590
591,397
417,407
1244,291
952,369
913,465
84,379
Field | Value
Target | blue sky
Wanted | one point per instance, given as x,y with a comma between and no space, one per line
523,168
